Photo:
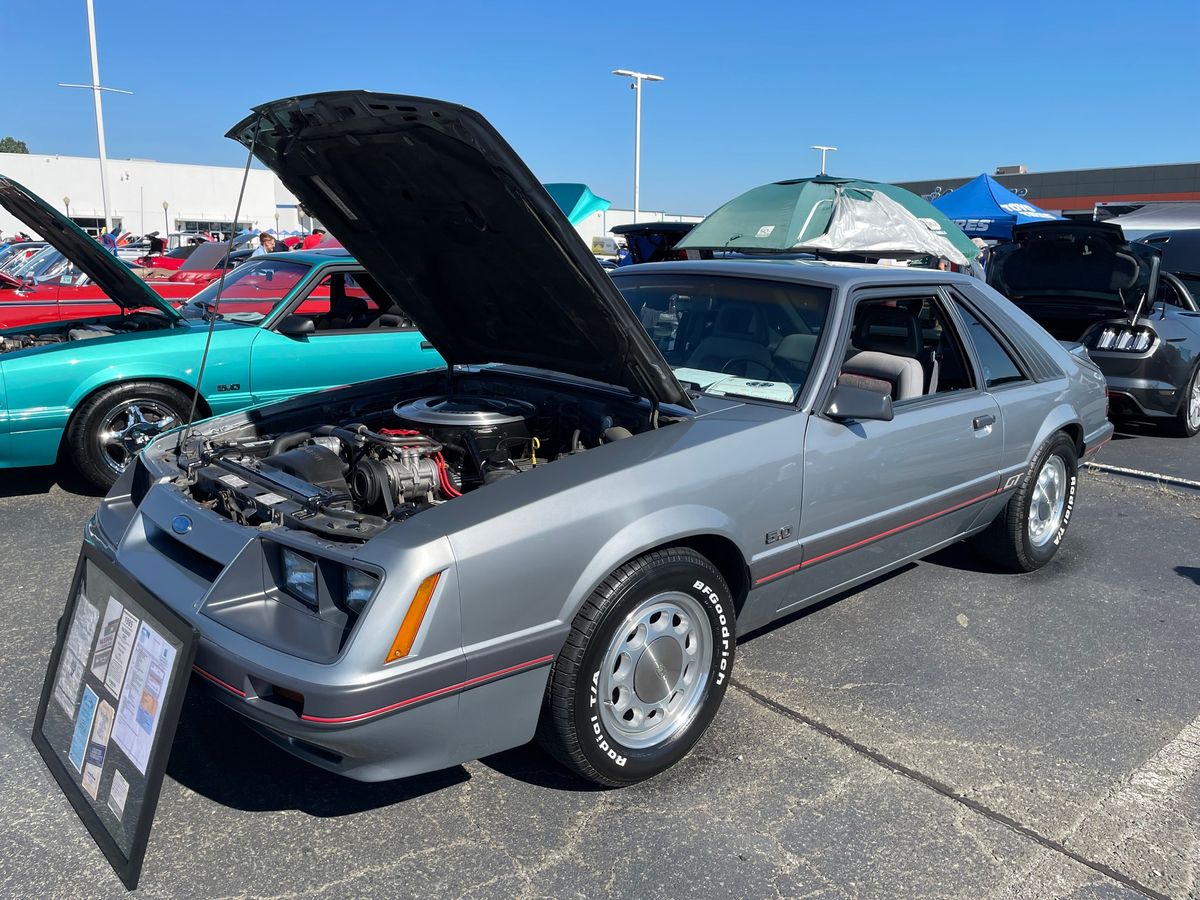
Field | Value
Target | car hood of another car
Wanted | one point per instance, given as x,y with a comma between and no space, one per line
436,205
107,271
1085,264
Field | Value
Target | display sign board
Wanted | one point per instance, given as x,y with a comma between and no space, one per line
110,702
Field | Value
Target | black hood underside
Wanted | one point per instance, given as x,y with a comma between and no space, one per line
454,226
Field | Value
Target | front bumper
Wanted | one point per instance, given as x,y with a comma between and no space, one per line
343,715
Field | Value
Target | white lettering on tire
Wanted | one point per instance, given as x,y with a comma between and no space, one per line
725,644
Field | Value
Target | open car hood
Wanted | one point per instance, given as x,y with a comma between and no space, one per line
453,225
110,274
1086,264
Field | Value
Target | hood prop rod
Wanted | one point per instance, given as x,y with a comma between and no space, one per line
214,313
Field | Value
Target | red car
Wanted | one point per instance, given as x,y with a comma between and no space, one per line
60,291
171,260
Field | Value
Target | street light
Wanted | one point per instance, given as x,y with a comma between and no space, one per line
96,88
166,225
824,149
636,84
67,204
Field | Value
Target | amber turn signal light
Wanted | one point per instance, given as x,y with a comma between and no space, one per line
413,618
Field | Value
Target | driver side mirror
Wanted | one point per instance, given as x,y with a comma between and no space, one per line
847,403
296,326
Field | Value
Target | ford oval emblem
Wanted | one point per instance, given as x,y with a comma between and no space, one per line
181,525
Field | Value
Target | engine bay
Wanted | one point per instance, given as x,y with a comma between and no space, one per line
366,464
82,331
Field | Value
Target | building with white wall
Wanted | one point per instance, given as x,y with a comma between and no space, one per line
146,195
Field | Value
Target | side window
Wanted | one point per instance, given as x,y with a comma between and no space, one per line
352,301
906,346
998,366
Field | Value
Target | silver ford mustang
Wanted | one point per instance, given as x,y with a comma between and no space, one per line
563,532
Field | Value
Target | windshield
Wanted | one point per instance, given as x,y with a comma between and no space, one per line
251,291
26,266
732,336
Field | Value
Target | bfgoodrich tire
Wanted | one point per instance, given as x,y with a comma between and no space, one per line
1028,531
643,670
111,426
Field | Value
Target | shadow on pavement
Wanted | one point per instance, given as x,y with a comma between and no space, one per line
1192,572
532,765
23,482
220,758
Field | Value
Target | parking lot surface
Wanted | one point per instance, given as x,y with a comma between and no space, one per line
948,731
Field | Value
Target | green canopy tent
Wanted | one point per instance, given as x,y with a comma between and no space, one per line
839,215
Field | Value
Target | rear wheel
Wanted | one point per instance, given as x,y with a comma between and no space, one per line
113,426
1187,421
643,670
1027,532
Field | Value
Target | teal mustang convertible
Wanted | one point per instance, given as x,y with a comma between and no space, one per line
94,391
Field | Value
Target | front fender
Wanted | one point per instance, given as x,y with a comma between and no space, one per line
658,529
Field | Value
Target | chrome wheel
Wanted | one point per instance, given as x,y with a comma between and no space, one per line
655,671
1048,501
1193,404
128,427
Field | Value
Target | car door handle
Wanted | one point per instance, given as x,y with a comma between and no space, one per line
982,422
426,345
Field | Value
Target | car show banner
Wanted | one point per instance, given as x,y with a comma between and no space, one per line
109,706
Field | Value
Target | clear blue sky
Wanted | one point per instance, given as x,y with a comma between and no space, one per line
906,90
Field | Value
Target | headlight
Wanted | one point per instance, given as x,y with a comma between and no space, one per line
357,588
300,577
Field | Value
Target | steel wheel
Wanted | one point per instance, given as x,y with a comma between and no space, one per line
128,426
655,670
1048,501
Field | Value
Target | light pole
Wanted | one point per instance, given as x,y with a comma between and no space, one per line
166,224
824,149
96,88
636,84
67,204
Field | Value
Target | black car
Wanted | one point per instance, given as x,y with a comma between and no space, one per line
1083,281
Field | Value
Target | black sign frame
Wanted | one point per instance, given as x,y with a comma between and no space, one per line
127,867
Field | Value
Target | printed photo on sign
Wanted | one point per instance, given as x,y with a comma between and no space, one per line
93,764
142,696
83,727
126,634
108,634
75,654
117,794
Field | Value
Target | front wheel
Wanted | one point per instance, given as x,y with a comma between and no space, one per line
1028,531
112,427
643,670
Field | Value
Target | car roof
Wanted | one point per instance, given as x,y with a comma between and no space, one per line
810,271
316,257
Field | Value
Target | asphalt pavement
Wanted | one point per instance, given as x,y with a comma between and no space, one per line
948,731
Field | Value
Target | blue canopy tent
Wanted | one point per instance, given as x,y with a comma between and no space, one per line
576,200
985,208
